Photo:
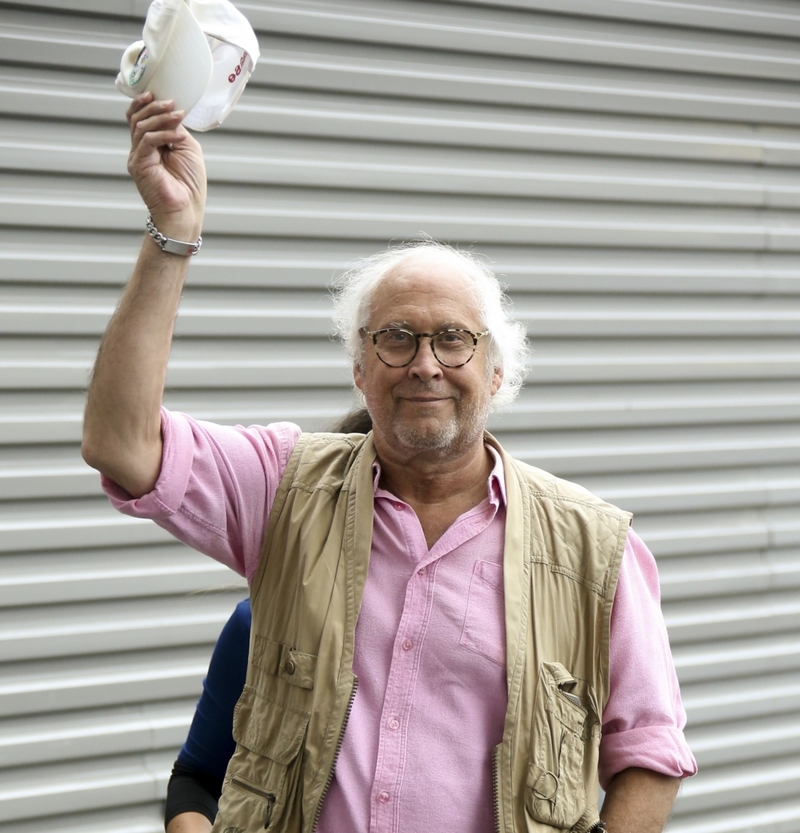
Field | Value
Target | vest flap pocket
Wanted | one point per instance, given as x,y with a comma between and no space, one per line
556,793
269,728
295,667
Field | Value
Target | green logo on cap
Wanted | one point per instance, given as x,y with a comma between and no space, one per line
138,68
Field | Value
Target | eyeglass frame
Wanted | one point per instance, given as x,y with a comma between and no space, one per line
373,334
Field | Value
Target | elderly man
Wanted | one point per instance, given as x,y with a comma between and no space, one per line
443,637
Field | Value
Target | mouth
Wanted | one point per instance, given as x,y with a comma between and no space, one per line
425,398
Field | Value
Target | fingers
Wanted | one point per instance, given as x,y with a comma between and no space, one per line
165,161
154,125
146,116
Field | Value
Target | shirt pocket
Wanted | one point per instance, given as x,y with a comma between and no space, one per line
563,729
484,629
264,773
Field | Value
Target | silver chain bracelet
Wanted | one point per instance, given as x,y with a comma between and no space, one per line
173,247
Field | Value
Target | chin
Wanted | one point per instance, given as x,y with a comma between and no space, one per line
441,437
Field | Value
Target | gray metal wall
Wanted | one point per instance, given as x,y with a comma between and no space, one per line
632,169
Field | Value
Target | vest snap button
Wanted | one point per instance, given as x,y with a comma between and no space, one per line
288,667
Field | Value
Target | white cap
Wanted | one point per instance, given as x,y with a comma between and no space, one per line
198,53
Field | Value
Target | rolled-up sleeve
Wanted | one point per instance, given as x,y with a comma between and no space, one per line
216,486
644,718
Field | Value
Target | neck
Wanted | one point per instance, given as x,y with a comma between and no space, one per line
425,478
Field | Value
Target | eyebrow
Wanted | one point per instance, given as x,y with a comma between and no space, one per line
452,325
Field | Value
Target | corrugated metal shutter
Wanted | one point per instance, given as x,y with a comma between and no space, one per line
632,169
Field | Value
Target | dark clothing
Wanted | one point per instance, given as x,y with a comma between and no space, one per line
196,781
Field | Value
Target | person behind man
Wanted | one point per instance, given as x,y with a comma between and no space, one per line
443,638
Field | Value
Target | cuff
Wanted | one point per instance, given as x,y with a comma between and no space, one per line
176,465
658,748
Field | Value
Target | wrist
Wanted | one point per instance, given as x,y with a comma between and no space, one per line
179,225
184,246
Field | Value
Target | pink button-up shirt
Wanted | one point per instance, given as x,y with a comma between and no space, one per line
430,639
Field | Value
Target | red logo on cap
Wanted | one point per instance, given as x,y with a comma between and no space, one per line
237,71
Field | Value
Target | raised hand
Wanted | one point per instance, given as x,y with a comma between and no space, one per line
166,163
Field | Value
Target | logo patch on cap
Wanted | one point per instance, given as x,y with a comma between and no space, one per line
138,68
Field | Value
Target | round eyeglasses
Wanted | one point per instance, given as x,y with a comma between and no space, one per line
453,347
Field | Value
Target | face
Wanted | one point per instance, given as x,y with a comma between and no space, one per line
425,407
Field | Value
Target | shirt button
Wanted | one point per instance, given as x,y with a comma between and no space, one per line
394,723
407,644
398,507
383,797
421,571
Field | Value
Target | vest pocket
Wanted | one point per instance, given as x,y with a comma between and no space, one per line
264,773
556,793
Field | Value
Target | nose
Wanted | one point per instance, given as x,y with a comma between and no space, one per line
425,365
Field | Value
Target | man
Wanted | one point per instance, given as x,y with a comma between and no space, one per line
433,641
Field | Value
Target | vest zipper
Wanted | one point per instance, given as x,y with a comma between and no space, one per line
268,797
496,793
338,749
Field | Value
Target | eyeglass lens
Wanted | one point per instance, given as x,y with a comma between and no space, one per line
451,347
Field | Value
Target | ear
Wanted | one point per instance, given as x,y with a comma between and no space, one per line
497,379
358,377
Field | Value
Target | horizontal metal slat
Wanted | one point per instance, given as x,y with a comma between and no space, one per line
437,27
337,115
121,625
277,314
297,162
76,736
770,17
81,41
246,363
87,682
255,363
750,740
57,577
85,257
698,490
741,657
80,203
45,474
58,418
206,314
88,258
406,73
75,524
723,701
773,17
146,817
724,618
704,577
730,785
532,34
775,816
736,530
654,448
67,788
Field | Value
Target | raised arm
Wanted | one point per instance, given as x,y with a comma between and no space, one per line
122,428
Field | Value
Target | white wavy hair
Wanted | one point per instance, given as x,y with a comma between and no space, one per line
507,340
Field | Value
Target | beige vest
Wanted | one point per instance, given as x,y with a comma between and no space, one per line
563,548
